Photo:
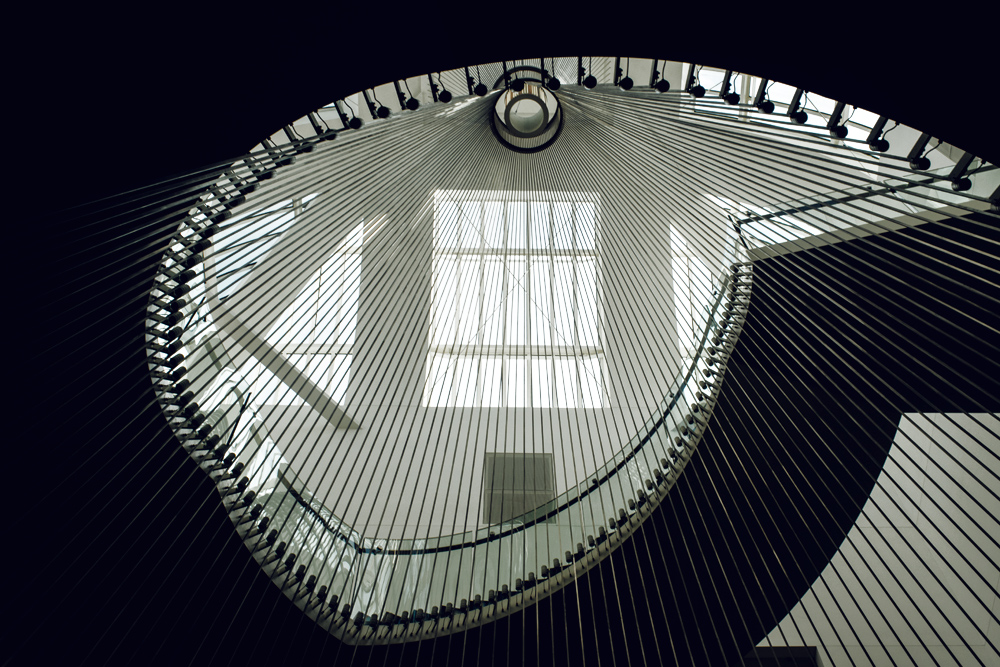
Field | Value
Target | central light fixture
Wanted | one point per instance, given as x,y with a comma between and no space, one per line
527,116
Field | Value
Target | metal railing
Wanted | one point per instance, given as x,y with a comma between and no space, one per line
374,590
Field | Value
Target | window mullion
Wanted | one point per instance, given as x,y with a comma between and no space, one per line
479,398
552,306
528,292
504,370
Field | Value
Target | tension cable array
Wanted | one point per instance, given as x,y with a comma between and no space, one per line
610,327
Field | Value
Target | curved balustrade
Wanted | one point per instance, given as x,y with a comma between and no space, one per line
378,590
298,542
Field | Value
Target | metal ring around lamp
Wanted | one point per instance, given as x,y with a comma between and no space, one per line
511,123
531,138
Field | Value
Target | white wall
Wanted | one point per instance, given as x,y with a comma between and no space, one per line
939,485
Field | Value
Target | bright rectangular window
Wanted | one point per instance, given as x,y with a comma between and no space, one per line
693,292
516,308
316,332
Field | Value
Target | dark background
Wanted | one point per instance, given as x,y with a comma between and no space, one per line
116,550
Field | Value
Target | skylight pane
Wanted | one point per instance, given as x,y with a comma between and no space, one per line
468,301
492,316
516,302
860,123
539,226
586,295
447,224
563,301
443,308
858,133
472,232
509,296
219,391
541,296
562,225
771,231
586,226
517,225
247,373
701,284
250,252
493,225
